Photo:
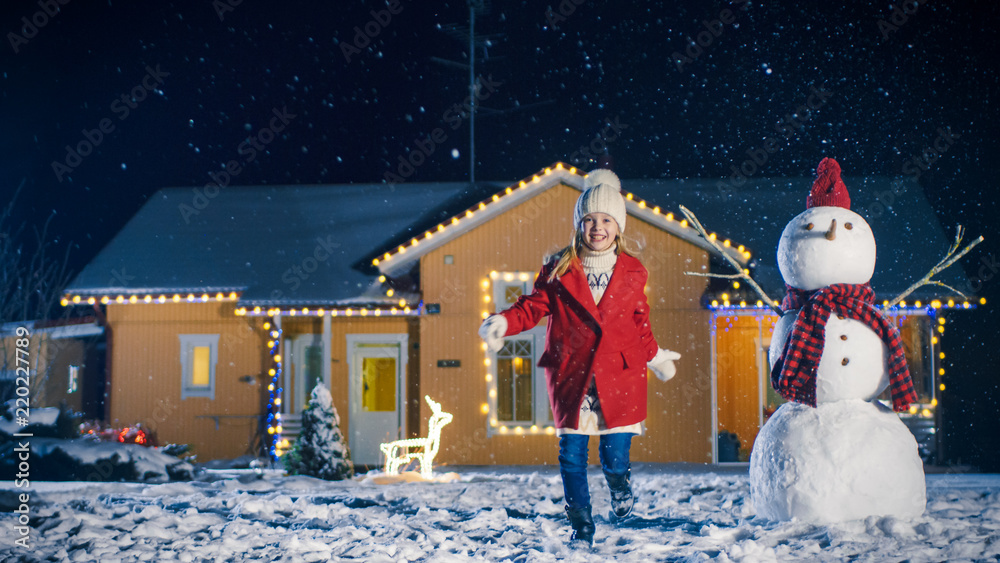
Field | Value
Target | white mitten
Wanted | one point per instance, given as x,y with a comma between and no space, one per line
492,332
662,364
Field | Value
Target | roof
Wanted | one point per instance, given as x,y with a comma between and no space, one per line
273,244
461,220
78,327
326,245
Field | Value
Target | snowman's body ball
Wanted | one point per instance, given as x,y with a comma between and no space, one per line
826,245
854,360
839,461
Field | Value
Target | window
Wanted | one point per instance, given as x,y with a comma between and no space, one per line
74,379
917,334
515,382
517,392
508,286
378,378
199,354
518,399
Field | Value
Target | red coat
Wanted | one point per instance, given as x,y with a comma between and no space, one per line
611,341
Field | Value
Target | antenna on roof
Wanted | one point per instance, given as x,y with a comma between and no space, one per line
473,6
477,44
482,42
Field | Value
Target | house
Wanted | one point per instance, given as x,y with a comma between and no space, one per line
63,360
224,311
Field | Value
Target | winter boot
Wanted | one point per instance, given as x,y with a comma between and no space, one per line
583,524
622,498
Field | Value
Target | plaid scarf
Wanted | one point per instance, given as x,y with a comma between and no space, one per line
793,376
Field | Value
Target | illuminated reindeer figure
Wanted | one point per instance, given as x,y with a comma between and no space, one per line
398,454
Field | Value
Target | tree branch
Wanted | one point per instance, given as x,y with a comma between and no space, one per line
950,258
720,276
32,278
732,262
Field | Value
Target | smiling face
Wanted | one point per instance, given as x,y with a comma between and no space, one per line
599,231
826,245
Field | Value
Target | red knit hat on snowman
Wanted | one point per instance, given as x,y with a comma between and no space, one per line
828,190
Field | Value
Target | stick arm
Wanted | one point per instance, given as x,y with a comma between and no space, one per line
742,275
950,258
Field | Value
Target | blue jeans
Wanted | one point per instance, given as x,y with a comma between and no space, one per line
613,450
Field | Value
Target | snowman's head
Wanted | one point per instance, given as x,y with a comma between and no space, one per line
826,245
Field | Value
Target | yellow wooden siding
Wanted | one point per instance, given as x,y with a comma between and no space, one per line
340,327
740,357
146,383
679,423
146,362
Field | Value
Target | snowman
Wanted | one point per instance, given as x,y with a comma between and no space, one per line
834,453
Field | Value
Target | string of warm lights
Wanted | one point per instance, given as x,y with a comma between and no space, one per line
472,211
936,304
133,299
640,206
400,309
489,408
936,346
723,303
926,410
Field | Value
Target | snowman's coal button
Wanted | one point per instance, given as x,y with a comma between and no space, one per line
844,362
843,337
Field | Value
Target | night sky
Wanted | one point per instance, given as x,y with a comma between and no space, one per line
673,89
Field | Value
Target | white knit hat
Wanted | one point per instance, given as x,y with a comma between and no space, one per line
602,194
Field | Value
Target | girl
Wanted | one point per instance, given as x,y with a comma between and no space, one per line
598,344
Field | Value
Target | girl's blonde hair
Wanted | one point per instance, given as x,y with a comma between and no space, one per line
565,256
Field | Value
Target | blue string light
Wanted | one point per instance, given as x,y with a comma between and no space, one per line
274,409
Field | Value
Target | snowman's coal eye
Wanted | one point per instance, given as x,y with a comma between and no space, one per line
848,226
809,227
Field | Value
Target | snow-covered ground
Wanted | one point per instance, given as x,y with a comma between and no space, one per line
684,513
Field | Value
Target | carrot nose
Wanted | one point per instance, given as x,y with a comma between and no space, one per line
832,233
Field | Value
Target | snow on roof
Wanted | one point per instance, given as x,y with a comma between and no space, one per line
275,244
79,327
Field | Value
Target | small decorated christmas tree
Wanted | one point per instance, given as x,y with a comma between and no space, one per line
320,450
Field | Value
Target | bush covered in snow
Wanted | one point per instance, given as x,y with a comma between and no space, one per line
47,422
320,450
56,451
52,459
